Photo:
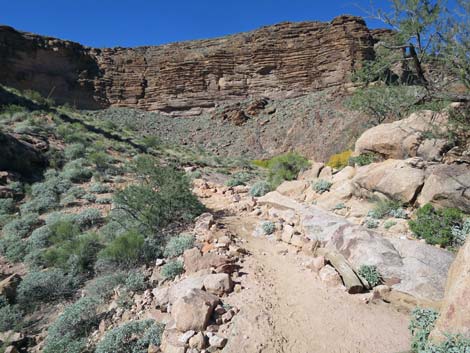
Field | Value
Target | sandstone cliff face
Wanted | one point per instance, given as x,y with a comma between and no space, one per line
278,61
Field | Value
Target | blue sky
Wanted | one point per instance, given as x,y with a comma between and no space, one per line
106,23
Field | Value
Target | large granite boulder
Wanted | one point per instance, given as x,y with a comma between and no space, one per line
402,139
455,311
447,186
193,310
396,179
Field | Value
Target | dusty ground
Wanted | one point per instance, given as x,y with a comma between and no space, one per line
285,308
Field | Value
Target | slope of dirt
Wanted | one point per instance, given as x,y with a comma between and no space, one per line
285,308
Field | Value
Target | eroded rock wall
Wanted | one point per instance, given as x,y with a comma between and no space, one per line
277,61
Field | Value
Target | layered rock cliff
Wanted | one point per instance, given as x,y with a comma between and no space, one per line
275,61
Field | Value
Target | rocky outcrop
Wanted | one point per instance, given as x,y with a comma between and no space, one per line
455,312
275,61
410,137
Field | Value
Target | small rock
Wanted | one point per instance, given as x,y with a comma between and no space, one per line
329,276
193,310
218,283
184,338
217,342
237,288
197,341
159,262
11,349
318,263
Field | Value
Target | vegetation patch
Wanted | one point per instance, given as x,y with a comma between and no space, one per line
339,160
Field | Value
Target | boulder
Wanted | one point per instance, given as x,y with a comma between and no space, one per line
294,189
396,179
455,312
432,149
203,223
311,173
218,283
344,174
401,139
195,261
330,277
171,343
193,310
447,186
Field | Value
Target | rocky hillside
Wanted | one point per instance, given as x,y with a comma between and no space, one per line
275,61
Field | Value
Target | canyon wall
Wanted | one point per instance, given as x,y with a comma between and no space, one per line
288,59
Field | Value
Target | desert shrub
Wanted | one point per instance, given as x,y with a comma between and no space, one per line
320,186
91,198
285,167
131,337
363,159
72,133
13,247
112,229
88,218
101,160
370,274
22,226
76,171
77,255
339,160
74,151
153,248
240,178
389,224
177,245
103,286
386,207
40,237
45,286
125,249
7,206
104,201
339,206
163,196
451,344
74,324
135,281
76,191
99,188
460,233
436,225
40,204
172,269
53,185
10,317
260,188
421,324
371,223
268,227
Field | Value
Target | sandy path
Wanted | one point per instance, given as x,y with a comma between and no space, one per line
285,308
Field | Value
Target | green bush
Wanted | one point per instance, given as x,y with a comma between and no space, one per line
99,188
321,186
177,245
76,171
7,206
461,233
103,287
260,188
363,159
268,227
371,223
451,344
10,317
45,286
172,269
131,337
135,281
285,167
88,218
436,225
370,274
40,238
91,198
389,224
101,160
13,247
74,151
240,178
125,249
40,204
74,324
421,324
163,196
383,208
22,226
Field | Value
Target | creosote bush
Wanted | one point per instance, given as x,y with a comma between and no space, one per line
125,249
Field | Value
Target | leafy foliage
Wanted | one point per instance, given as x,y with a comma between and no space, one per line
268,227
387,207
240,178
125,249
421,325
283,167
371,274
320,186
363,159
436,225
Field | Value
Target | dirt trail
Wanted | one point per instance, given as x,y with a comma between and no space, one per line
285,308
